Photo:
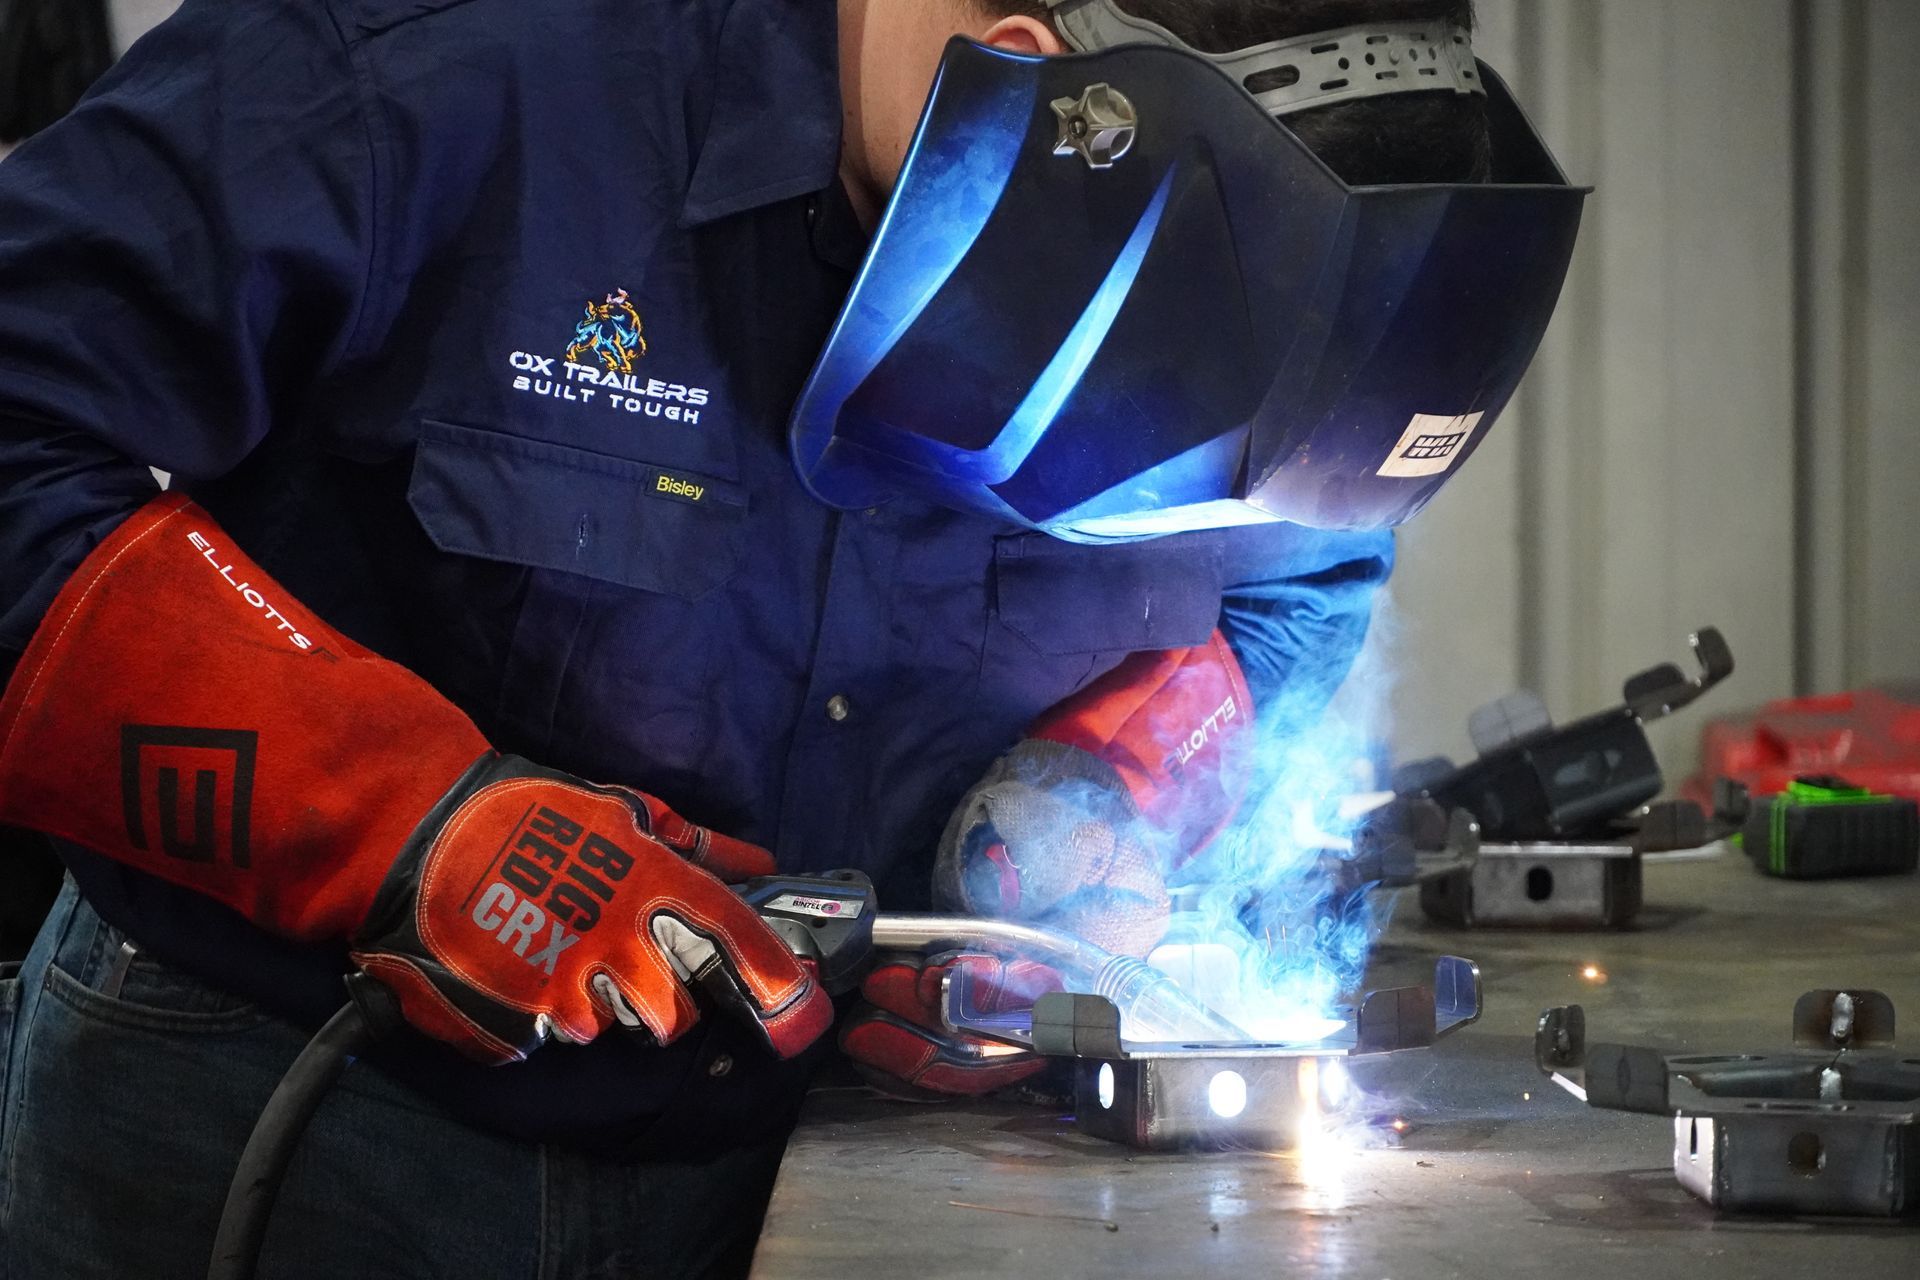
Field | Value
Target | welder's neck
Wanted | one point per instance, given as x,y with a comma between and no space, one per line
867,203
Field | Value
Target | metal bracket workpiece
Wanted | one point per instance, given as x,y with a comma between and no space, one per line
1831,1127
1537,781
1542,884
1177,1096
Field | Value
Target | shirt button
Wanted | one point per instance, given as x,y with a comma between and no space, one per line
838,708
722,1063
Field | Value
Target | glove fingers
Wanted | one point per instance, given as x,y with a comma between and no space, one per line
610,994
896,1052
583,896
735,861
722,857
720,947
895,988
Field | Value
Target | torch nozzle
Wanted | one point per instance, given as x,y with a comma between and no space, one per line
1153,1007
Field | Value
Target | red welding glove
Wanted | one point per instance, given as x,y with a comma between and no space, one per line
179,712
1075,828
897,1040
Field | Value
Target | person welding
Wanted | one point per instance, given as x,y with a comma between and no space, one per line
617,448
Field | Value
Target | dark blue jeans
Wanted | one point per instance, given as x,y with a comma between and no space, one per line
130,1089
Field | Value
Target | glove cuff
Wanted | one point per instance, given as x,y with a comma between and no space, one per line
179,711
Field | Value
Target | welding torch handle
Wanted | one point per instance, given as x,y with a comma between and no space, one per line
1151,1004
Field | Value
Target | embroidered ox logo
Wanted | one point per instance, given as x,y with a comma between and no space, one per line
611,330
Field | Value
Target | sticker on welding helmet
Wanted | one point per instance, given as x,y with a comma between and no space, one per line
825,908
1430,445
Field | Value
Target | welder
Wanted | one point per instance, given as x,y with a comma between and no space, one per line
592,481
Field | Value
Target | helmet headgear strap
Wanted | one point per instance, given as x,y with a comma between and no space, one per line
1313,70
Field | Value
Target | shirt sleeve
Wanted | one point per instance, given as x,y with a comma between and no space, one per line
180,259
1297,613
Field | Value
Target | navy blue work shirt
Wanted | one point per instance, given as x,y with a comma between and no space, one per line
325,262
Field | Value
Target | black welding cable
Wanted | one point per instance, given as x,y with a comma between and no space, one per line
256,1180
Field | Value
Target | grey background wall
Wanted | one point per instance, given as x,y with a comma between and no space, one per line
134,18
131,19
1724,424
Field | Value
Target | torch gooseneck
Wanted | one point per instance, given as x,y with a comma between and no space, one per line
1152,1006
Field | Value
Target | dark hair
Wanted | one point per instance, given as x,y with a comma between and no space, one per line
1419,137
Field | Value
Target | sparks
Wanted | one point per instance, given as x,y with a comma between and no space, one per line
1320,1148
1594,973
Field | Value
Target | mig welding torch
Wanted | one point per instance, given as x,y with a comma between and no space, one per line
830,921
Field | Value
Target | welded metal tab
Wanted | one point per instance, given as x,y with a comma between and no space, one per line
1456,994
1407,841
1663,690
1066,1025
1832,1128
1625,1077
1560,1048
1843,1020
1519,717
1391,1020
1397,1018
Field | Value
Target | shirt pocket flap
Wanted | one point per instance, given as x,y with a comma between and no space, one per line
1065,598
528,502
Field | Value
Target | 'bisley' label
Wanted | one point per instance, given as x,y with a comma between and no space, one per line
550,887
667,486
248,592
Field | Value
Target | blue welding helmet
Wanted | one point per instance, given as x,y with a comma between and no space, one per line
1114,296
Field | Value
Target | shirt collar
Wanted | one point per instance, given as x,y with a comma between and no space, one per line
774,129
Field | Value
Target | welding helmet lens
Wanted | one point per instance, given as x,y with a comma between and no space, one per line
1114,297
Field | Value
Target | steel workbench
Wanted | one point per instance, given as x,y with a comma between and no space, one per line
1498,1173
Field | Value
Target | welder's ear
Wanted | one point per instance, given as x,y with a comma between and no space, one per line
1023,35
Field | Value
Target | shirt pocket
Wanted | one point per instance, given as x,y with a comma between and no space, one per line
1061,598
630,522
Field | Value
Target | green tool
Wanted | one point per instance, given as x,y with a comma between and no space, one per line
1821,828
